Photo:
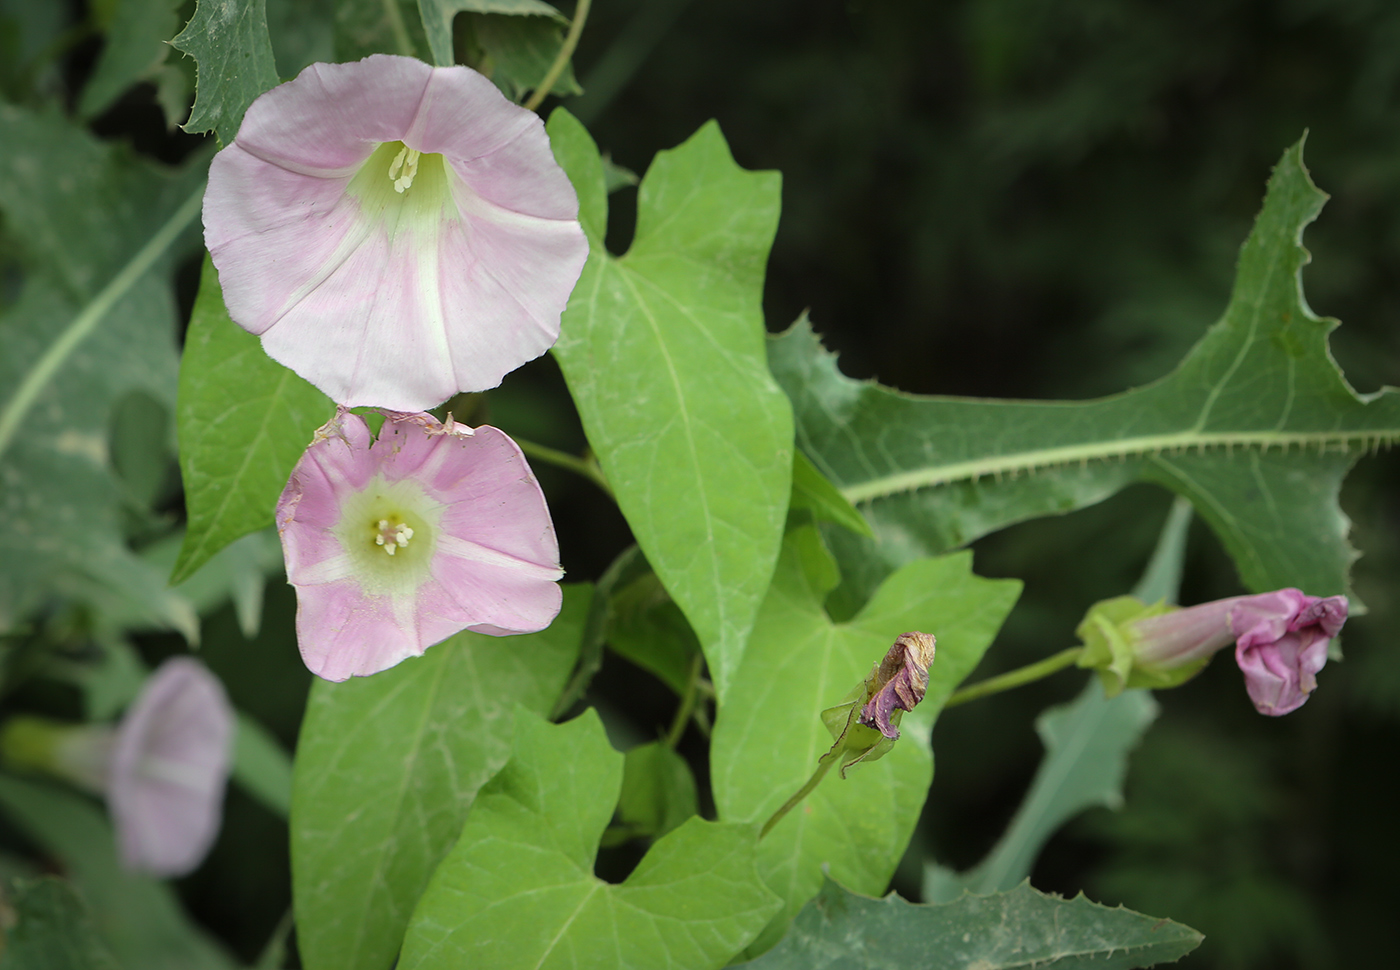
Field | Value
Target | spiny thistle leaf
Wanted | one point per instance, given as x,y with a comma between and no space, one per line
1257,427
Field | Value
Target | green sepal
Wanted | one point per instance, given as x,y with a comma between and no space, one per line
1110,647
855,742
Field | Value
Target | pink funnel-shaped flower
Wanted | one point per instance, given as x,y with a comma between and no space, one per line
396,543
169,764
1281,643
394,232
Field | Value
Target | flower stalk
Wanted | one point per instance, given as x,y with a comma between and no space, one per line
1015,678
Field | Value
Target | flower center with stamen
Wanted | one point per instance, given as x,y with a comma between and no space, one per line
405,190
404,168
389,531
392,535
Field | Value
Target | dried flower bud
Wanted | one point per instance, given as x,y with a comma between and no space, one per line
865,725
899,681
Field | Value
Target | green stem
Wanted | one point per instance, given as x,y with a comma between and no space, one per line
586,467
1015,678
683,713
566,51
88,318
823,766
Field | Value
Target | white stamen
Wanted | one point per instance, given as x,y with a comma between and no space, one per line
406,161
392,538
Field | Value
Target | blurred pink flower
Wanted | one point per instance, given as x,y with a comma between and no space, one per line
394,232
169,764
396,543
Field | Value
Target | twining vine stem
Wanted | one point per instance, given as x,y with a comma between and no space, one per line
587,467
566,51
90,316
687,706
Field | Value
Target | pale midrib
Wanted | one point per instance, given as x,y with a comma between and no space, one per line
1029,461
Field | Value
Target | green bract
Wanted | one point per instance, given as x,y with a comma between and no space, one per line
1109,640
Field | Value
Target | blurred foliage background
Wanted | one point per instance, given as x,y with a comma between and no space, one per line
997,198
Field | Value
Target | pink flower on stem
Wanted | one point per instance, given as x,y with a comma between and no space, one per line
394,232
397,542
170,763
1280,642
162,769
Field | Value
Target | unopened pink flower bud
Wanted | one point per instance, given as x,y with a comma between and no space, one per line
1280,642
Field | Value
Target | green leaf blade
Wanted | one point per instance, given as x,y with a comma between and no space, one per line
52,930
518,890
138,917
244,421
408,748
230,44
1256,426
1087,743
134,49
663,351
769,732
438,14
74,205
1017,930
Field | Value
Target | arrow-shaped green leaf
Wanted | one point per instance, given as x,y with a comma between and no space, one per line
518,891
769,733
663,352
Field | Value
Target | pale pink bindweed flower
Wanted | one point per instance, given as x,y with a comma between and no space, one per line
397,542
170,762
394,232
162,769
